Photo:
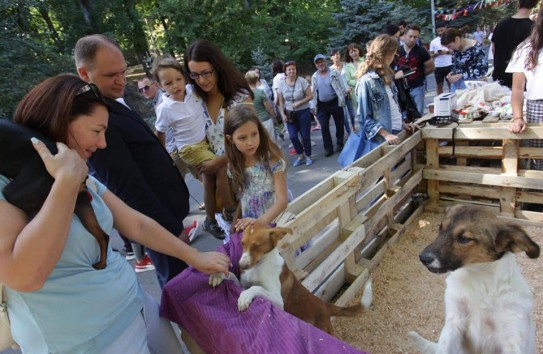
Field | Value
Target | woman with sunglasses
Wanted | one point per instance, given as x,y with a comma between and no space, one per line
221,86
377,96
57,302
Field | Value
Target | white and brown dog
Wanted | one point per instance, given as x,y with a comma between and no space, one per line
265,273
488,303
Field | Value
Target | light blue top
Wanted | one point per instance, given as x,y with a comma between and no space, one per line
79,309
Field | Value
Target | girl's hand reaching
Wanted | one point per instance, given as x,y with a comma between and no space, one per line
212,262
66,164
518,125
241,224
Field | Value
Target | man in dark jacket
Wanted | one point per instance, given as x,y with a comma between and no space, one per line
134,165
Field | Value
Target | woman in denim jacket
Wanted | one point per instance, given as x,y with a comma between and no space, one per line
377,95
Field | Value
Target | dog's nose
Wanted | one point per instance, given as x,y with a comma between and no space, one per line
426,258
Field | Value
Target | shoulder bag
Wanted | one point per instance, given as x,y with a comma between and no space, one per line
356,146
6,340
291,115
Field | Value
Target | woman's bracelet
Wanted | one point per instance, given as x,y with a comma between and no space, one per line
514,119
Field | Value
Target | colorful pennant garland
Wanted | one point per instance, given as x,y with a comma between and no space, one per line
453,14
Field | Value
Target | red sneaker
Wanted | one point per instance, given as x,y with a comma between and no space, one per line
191,230
292,152
145,265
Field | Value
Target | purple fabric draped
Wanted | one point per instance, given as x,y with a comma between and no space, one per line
212,317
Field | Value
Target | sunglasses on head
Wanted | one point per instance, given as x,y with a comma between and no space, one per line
144,88
90,88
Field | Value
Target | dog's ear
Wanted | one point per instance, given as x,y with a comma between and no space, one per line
512,238
277,233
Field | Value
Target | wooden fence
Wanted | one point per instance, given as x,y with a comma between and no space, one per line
344,226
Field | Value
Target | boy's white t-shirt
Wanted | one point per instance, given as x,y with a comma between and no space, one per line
186,119
534,78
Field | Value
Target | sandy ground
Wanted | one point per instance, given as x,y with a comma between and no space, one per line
408,297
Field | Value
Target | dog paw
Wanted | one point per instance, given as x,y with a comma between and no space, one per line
216,279
245,299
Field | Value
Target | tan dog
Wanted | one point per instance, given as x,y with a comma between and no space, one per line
488,303
265,273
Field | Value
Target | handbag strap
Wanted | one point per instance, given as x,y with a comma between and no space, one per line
292,92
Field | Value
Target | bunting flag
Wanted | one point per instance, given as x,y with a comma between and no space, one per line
453,14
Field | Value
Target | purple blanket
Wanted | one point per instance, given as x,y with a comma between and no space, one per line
212,318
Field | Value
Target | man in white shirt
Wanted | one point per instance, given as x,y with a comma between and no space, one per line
442,58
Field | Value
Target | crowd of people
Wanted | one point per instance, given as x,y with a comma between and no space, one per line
223,127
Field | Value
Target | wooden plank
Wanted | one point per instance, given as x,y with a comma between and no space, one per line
432,162
323,207
468,175
330,287
473,190
349,294
336,257
508,201
372,173
369,195
483,131
481,152
320,243
391,202
529,197
509,157
530,152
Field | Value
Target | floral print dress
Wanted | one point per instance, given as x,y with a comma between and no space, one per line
215,131
259,193
472,63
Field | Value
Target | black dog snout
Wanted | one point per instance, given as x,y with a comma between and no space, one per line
427,258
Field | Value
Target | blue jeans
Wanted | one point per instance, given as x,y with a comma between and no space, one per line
301,126
418,96
324,111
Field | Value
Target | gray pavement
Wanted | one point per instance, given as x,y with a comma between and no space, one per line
299,179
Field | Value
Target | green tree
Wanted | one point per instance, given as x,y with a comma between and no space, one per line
361,20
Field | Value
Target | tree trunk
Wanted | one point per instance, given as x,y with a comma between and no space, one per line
54,34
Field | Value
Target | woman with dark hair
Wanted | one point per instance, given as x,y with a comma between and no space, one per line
353,59
221,87
469,58
379,111
294,95
526,65
57,302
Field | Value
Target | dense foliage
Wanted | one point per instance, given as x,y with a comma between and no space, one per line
38,36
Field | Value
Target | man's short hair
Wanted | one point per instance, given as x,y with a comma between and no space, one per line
440,25
527,4
390,29
86,48
412,26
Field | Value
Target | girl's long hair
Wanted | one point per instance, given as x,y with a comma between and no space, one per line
267,153
380,49
536,42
